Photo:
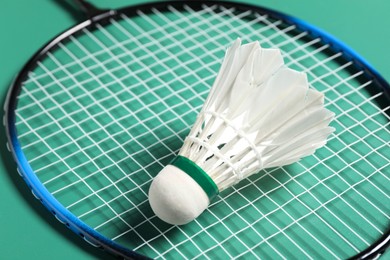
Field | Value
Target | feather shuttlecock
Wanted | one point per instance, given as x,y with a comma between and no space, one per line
258,114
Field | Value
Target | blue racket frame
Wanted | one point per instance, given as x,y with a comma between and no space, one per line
96,15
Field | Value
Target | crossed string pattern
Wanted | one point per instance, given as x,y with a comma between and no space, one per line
106,110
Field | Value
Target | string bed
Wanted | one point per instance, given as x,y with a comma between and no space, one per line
104,111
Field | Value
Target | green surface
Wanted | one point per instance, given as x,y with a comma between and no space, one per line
30,232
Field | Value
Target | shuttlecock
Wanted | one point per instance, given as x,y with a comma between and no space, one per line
258,114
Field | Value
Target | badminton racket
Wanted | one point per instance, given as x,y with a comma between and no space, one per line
97,112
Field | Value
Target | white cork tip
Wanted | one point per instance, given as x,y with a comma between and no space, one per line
175,197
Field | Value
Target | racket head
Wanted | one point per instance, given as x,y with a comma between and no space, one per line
244,190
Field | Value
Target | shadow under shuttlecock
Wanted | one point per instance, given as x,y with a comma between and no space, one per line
260,184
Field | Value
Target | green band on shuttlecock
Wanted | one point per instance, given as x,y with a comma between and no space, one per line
198,174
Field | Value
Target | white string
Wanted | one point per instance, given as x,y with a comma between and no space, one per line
118,215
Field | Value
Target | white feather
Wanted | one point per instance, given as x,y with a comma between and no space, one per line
258,114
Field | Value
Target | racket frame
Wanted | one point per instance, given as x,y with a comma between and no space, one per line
97,15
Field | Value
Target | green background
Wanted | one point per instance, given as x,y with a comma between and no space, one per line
27,230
